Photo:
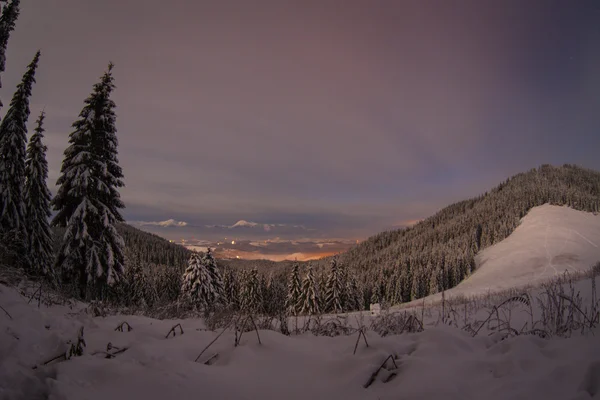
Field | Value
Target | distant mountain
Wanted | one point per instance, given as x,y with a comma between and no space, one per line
439,252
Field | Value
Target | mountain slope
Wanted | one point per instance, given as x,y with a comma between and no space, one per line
550,241
439,252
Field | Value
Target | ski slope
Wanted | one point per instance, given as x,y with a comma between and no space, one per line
549,241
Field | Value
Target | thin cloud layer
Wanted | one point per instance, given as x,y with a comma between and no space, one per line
165,224
341,116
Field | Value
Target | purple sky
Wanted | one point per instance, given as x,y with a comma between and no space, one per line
345,117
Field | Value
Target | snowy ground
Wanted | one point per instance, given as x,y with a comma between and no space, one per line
502,360
442,361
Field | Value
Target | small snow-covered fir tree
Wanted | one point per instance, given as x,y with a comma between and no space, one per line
310,294
87,201
196,285
13,142
250,295
8,19
37,204
216,280
334,289
294,297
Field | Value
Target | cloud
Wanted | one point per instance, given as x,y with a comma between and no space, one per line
166,224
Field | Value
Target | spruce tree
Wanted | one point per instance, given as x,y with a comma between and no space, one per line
310,294
13,142
88,202
334,289
231,290
216,280
353,295
294,297
196,285
37,204
10,13
251,296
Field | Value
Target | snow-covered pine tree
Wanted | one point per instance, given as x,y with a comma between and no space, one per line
216,280
196,285
274,295
87,202
13,142
310,294
251,297
37,204
353,295
334,289
10,13
231,290
294,297
136,282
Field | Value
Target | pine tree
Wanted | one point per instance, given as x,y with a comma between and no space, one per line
137,284
87,202
310,295
251,296
216,280
334,289
293,301
13,141
353,295
37,204
196,285
231,290
10,13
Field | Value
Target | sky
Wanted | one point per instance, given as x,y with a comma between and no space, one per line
318,119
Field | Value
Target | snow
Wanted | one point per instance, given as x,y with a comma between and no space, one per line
442,361
549,241
243,223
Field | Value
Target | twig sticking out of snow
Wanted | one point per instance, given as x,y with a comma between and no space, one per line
238,338
6,312
361,332
76,349
110,347
210,360
121,328
374,374
173,330
214,340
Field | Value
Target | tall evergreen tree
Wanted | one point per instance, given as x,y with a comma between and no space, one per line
216,280
13,142
294,297
10,13
251,294
37,204
334,289
88,202
231,290
196,285
310,294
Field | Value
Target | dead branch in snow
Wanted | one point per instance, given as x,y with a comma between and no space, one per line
173,330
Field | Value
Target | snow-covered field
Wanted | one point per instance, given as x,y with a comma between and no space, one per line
456,356
442,361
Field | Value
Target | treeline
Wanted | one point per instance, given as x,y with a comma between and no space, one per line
439,252
391,267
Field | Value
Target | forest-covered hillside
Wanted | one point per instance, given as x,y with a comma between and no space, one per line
438,252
